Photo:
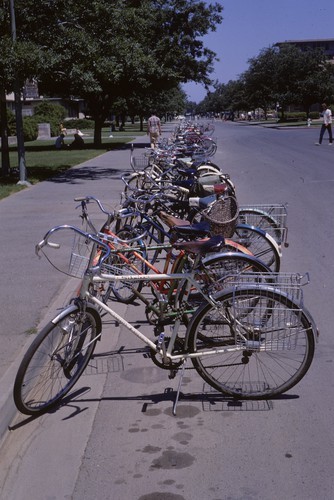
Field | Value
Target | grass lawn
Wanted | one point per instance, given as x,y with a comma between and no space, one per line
43,161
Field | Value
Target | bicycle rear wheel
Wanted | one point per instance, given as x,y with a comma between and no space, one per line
220,267
259,218
126,262
260,244
266,343
55,360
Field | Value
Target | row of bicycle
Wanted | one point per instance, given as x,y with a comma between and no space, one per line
202,266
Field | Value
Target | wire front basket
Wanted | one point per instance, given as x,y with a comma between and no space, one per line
267,311
69,251
140,161
80,256
222,216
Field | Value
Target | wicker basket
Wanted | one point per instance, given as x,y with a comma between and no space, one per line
222,216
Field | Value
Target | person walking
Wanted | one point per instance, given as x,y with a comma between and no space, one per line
326,125
153,129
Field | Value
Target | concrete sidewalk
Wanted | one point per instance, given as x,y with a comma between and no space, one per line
30,288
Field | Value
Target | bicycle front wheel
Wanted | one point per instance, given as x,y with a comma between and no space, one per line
55,360
262,343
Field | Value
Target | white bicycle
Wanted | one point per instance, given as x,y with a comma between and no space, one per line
252,340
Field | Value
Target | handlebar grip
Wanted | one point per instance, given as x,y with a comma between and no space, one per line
44,243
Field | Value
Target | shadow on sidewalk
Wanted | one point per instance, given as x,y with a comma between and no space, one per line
82,174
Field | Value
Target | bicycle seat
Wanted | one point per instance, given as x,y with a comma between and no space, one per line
198,229
171,221
184,227
213,244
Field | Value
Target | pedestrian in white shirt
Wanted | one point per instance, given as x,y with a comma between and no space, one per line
326,125
154,129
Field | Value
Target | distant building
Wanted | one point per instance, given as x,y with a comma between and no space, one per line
325,44
30,99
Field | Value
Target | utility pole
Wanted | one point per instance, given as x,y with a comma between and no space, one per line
18,109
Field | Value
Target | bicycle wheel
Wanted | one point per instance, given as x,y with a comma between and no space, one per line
209,145
137,180
260,244
55,360
155,237
219,269
262,220
265,342
208,170
124,263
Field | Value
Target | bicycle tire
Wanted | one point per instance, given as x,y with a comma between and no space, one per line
207,170
219,269
154,236
259,218
251,373
224,266
260,244
137,181
209,145
55,360
125,291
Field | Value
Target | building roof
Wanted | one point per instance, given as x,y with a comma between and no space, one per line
307,40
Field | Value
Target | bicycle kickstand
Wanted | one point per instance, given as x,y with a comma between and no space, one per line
182,371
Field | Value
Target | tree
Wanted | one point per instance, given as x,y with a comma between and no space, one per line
285,75
164,102
288,76
103,51
20,60
260,80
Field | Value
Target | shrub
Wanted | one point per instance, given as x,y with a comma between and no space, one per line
295,116
11,122
80,123
30,128
314,115
48,112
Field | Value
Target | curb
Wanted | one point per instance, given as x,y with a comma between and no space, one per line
8,410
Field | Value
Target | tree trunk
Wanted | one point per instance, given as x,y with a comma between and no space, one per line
5,164
98,132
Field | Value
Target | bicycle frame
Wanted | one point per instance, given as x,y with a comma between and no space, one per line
159,346
161,287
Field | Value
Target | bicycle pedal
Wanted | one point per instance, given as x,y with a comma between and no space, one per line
172,374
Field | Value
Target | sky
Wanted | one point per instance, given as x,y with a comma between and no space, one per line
252,25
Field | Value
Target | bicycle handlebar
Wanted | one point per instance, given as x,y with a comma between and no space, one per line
146,198
87,199
45,241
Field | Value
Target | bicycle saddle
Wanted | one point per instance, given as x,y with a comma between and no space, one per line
213,244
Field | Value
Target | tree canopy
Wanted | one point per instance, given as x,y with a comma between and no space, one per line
286,75
102,51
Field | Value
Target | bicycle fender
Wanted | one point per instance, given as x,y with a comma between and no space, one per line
74,308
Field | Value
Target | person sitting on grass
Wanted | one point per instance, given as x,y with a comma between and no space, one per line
78,142
60,143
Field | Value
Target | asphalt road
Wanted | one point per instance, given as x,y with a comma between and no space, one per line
116,438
